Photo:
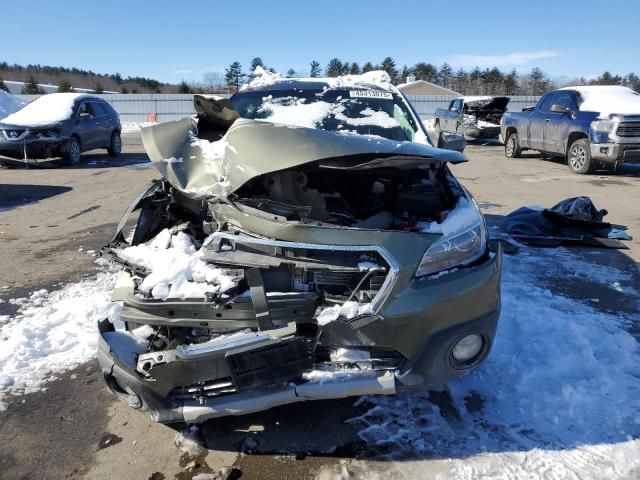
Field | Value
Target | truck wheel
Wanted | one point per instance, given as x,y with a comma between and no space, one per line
437,134
512,146
579,156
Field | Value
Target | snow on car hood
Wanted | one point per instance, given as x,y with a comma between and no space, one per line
45,110
608,99
251,148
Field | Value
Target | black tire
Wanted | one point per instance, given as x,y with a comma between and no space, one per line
579,157
437,134
73,151
512,147
115,146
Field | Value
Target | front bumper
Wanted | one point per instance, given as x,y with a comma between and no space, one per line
616,152
422,323
31,148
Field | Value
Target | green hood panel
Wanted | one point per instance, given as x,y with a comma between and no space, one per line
251,148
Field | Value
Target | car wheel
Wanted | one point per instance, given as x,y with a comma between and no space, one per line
73,152
115,147
579,157
512,146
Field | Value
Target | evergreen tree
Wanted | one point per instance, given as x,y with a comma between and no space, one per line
316,70
233,76
257,62
184,87
124,90
607,79
291,73
64,86
425,71
510,85
3,86
404,73
445,75
31,87
493,81
461,81
389,66
355,69
98,88
334,68
538,81
475,81
631,80
368,67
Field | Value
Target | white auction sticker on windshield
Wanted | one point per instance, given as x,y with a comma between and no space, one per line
370,94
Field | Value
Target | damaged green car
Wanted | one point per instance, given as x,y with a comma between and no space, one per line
281,260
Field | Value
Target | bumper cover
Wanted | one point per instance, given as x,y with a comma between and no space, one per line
616,152
36,148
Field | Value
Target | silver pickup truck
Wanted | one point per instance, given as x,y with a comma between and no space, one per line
477,118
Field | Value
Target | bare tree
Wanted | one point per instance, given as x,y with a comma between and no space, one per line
213,82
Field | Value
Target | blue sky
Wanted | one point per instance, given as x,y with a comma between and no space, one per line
173,40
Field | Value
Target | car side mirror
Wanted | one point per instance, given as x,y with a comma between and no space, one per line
83,115
560,109
454,109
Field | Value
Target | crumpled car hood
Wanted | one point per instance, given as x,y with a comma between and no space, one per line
251,148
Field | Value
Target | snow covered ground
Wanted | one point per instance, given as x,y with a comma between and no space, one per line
559,396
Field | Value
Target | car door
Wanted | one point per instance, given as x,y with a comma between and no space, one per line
538,121
454,114
556,122
84,126
103,124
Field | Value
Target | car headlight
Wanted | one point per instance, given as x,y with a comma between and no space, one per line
454,250
603,126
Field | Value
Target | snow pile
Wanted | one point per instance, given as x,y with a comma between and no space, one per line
560,392
485,124
608,99
177,268
53,332
464,215
45,110
262,79
477,99
379,78
8,104
346,310
135,126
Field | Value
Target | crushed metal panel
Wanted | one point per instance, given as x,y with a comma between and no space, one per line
252,148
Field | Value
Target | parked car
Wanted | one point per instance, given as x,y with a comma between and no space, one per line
306,242
477,118
590,125
60,125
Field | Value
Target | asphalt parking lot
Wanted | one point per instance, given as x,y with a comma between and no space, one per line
50,218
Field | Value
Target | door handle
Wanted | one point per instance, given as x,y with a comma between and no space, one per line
547,120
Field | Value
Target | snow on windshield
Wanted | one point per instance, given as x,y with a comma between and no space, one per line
300,113
8,104
608,99
46,110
